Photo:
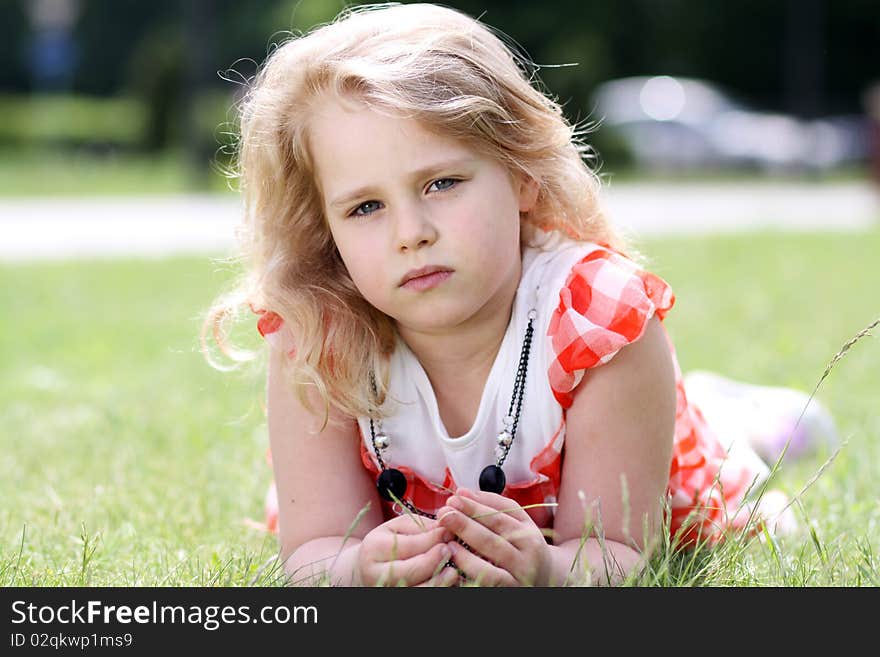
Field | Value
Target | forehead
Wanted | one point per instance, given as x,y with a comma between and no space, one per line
351,145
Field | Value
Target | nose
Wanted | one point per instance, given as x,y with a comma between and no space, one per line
414,228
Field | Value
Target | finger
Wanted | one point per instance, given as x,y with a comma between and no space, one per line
395,547
445,578
497,521
480,538
409,523
495,501
478,570
417,569
500,514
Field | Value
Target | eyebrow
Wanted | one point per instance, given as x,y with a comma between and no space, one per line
424,172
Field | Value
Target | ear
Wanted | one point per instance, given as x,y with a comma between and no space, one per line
528,192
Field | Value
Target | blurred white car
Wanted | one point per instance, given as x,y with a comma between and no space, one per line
667,122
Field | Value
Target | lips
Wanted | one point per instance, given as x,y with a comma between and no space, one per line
422,272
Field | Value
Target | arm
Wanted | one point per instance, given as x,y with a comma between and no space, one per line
322,486
329,519
619,432
620,426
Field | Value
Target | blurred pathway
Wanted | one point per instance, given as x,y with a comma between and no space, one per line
657,209
54,228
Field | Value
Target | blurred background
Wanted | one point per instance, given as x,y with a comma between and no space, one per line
120,96
127,460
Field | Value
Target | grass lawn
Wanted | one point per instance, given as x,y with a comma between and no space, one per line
128,461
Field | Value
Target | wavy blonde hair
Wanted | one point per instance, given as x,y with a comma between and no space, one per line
430,63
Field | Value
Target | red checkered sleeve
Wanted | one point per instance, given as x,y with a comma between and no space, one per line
604,305
275,331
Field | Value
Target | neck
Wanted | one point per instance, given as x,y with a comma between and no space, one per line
467,351
469,348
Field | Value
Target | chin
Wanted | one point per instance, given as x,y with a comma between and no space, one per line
436,318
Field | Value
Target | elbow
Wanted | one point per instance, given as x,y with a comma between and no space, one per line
318,561
287,559
301,567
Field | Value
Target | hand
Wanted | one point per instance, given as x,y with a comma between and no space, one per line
508,548
406,551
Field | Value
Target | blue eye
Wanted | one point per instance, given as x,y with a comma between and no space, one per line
442,184
368,207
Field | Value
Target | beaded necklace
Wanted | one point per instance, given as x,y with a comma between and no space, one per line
392,482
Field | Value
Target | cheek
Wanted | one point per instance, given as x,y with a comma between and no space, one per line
363,269
495,222
351,251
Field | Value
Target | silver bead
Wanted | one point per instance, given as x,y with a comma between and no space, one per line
499,452
382,441
504,438
507,421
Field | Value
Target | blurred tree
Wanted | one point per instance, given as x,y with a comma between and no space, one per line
155,76
804,46
797,56
302,15
14,31
200,31
741,44
852,51
109,32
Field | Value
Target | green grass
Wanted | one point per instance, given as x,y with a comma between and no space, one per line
128,461
774,309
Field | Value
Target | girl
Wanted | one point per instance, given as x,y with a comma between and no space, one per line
468,377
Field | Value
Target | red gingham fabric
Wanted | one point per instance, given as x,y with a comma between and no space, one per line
604,305
272,328
532,495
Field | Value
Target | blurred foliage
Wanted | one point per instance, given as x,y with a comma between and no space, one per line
49,119
111,123
184,61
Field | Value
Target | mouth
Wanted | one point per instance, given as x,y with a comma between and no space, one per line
425,277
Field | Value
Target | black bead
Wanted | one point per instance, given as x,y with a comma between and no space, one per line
391,483
492,479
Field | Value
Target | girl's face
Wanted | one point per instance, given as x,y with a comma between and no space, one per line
399,198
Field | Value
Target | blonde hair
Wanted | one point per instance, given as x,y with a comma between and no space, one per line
420,61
